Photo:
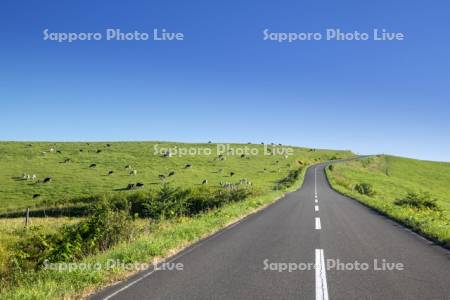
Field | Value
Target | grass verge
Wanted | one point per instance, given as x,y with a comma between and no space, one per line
397,187
157,240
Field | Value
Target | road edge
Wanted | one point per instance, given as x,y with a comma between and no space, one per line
184,249
405,226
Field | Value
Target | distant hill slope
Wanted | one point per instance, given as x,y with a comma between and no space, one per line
81,169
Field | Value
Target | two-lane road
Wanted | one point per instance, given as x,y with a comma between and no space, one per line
312,226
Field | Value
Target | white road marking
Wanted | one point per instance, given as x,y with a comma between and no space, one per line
141,278
177,256
315,181
316,208
318,226
321,276
316,201
321,280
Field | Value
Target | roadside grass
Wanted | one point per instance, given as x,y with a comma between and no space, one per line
397,184
12,230
154,239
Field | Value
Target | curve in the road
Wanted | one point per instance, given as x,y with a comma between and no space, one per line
314,226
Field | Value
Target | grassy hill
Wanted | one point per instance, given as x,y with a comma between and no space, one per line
414,192
68,166
136,225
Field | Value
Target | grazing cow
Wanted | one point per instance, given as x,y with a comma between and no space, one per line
58,151
231,174
205,181
67,160
167,154
171,173
242,155
133,172
36,196
33,177
52,150
99,151
108,145
128,167
188,166
110,173
227,185
24,176
92,165
161,176
130,186
139,184
81,150
243,181
47,179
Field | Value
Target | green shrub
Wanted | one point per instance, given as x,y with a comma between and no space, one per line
418,201
330,167
171,202
289,180
365,162
365,189
105,227
109,223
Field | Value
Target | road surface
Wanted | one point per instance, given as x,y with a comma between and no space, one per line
355,253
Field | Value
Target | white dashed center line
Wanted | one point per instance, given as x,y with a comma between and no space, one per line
318,226
321,276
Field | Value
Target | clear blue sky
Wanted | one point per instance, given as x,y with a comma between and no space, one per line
223,82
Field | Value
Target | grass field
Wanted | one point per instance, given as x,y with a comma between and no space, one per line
152,239
391,179
75,178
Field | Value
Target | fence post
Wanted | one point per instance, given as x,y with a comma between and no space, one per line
27,217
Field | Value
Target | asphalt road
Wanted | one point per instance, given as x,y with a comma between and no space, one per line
368,256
